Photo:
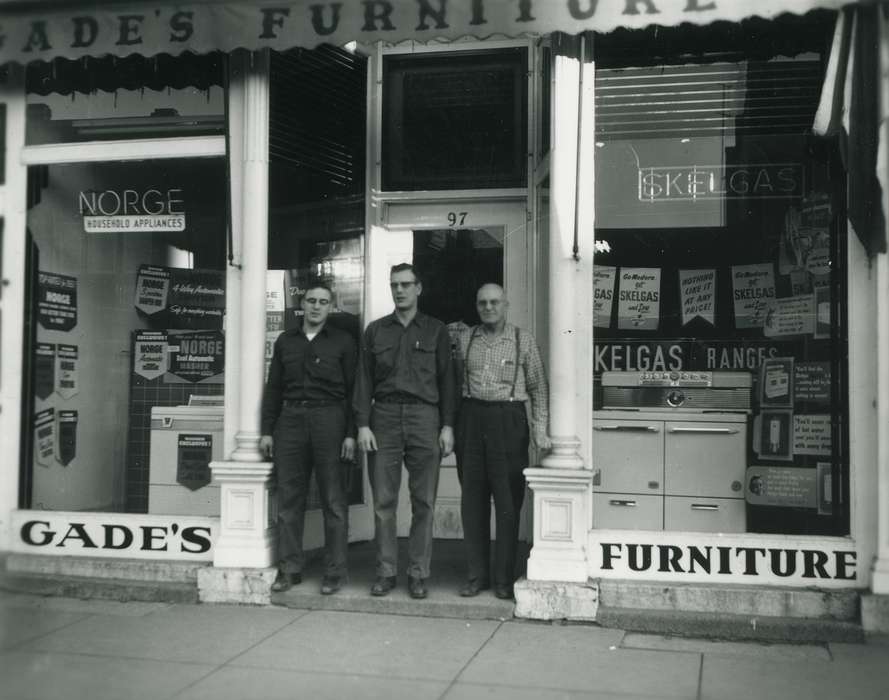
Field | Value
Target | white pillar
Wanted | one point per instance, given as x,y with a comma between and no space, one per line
246,536
562,487
12,295
880,571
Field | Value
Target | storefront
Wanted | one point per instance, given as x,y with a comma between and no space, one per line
680,198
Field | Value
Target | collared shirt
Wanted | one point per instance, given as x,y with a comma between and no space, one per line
489,370
413,360
320,369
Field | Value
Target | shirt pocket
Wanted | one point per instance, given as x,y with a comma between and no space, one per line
384,359
324,368
506,371
424,357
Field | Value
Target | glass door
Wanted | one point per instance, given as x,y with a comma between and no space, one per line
456,246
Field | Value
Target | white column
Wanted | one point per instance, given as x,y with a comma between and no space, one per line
12,296
880,571
562,487
246,537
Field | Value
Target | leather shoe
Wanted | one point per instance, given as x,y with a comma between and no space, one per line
284,580
331,584
503,592
383,585
416,587
473,587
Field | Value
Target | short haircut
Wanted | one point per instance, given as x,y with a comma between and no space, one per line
404,267
318,284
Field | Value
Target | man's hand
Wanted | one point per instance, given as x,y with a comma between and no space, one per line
446,440
347,453
366,440
541,439
267,446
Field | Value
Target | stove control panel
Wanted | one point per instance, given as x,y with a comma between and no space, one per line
674,378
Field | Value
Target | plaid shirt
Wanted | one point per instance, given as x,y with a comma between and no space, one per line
489,371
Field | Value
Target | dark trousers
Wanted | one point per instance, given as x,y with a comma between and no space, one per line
408,433
306,438
492,451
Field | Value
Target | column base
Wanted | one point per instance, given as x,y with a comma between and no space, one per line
562,508
246,525
245,586
556,600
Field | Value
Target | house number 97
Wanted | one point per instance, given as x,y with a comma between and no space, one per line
457,218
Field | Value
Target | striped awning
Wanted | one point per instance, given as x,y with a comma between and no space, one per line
46,29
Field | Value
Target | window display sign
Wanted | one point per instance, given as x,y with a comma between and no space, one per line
139,211
66,437
811,382
639,301
767,181
196,357
781,486
56,301
66,371
773,434
697,289
181,298
194,453
603,294
44,370
812,435
150,354
776,387
753,286
45,437
790,316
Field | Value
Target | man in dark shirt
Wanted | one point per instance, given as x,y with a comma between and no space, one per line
307,422
404,408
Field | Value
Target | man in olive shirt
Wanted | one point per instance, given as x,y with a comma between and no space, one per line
404,408
307,422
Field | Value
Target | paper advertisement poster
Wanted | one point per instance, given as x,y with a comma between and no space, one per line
175,297
811,382
194,453
812,435
44,370
67,382
45,437
697,295
152,289
56,301
792,487
66,437
773,434
753,286
776,382
150,354
790,316
197,357
639,301
603,294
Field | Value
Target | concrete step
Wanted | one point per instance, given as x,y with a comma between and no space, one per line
99,588
104,567
754,602
714,625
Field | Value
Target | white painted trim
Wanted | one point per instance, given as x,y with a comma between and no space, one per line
12,298
476,195
133,149
414,47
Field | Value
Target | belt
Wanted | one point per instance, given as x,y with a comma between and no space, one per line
300,403
483,402
401,398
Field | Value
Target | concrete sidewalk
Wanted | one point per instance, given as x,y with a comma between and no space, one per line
68,648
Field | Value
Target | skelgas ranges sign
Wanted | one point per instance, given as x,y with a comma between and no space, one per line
115,535
129,210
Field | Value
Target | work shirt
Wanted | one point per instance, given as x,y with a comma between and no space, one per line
320,369
412,360
490,369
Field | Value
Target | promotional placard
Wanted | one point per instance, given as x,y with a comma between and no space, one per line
56,301
639,301
150,354
793,487
194,454
152,289
132,210
604,277
45,437
197,357
44,370
790,316
776,382
697,292
811,382
66,437
181,298
753,286
773,434
812,435
67,371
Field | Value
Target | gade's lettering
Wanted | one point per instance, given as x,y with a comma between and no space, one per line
115,536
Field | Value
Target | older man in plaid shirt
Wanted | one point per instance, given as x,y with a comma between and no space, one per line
501,371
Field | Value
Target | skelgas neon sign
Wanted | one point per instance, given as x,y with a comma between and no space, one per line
692,182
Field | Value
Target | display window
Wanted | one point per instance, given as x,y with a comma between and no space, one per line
719,298
125,335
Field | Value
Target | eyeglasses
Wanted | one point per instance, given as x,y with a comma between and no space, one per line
311,301
401,285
